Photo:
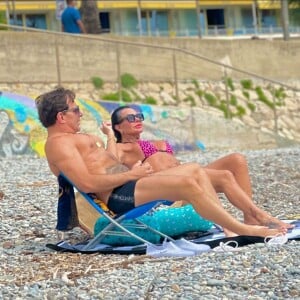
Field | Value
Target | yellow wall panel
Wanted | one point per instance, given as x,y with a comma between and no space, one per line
31,5
267,4
171,4
23,5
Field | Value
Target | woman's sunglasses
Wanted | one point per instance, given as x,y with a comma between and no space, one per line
132,117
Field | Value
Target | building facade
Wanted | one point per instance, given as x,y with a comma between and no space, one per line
162,18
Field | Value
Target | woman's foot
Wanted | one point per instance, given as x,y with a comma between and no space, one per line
263,231
264,219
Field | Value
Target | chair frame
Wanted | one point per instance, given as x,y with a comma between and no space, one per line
115,222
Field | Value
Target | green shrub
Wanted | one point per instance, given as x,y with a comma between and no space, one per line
125,97
280,95
211,99
223,107
196,83
111,97
190,99
200,93
263,98
128,81
233,101
251,106
97,82
240,111
137,98
229,83
246,94
247,84
150,100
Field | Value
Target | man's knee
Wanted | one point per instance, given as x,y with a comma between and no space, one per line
197,170
189,184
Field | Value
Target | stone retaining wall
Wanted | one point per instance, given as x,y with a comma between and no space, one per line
188,128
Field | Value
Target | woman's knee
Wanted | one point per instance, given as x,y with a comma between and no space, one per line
227,177
238,159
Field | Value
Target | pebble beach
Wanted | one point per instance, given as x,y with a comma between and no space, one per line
29,270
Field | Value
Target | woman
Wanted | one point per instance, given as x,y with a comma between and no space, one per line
228,175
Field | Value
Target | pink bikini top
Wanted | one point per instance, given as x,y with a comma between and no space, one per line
149,148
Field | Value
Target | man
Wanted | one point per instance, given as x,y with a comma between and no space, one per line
95,169
71,19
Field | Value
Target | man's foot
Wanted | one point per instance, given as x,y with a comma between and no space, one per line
229,233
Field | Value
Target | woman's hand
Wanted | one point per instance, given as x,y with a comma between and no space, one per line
106,128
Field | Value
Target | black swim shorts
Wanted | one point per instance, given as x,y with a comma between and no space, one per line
121,199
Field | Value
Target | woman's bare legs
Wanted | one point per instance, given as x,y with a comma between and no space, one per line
237,164
201,196
239,193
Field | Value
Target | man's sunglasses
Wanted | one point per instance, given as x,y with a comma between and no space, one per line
75,110
132,117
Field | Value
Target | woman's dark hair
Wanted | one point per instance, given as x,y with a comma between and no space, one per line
115,120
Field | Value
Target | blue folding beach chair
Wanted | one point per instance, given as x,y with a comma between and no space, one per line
68,215
68,219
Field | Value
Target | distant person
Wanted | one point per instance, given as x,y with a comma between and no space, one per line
71,19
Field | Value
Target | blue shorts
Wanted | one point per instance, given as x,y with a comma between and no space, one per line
121,198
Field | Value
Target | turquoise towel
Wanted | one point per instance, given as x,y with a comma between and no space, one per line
170,221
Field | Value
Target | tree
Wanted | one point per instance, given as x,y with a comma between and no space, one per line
285,15
285,19
295,12
90,16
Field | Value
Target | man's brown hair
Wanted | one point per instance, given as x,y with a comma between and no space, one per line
51,103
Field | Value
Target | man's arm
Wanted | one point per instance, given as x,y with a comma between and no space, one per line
67,159
81,26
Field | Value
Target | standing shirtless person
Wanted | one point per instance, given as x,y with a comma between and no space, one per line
94,169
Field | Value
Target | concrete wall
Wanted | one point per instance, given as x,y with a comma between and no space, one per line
36,57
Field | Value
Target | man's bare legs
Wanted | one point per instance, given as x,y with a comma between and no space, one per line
234,182
200,195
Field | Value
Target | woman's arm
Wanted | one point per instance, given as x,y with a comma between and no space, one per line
111,144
